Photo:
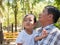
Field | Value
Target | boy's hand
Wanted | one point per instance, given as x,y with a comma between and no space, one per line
44,33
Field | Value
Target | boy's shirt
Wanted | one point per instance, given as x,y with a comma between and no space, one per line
25,38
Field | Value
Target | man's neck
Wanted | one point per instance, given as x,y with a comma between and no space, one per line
45,24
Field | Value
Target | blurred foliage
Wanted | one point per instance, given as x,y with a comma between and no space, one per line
57,25
57,4
14,10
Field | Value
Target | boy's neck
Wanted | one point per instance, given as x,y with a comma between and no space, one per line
29,31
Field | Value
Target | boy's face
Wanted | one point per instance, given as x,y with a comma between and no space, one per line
28,22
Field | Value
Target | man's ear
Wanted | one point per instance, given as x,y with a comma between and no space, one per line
50,16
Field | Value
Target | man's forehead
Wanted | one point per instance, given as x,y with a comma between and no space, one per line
45,9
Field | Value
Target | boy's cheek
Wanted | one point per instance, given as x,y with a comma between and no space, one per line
32,22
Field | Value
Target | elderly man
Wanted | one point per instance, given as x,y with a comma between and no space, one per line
47,19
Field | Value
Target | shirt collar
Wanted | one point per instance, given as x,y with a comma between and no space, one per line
49,26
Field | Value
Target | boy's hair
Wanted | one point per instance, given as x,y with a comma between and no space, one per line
53,10
28,15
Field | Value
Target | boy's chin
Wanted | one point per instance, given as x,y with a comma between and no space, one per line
28,28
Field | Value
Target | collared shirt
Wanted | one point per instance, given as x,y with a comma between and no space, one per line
53,37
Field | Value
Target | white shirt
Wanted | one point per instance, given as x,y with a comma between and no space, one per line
25,38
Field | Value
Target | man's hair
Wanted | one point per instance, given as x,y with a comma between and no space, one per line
53,10
31,14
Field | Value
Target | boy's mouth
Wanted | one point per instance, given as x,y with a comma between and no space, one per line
27,24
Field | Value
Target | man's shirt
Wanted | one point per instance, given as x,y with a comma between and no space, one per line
53,37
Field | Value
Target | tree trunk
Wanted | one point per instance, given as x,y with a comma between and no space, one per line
16,17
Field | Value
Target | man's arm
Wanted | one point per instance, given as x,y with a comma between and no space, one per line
57,42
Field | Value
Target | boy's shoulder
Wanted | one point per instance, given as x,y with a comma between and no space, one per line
21,32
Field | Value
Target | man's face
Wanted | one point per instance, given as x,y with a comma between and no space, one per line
43,17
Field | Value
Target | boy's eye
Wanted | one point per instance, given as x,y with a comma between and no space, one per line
30,20
25,20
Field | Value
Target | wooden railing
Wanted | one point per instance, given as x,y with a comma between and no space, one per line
10,35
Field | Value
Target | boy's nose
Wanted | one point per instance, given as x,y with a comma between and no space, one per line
28,21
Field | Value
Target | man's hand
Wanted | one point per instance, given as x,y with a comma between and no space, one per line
44,33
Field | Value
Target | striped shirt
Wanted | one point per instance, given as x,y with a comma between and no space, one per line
53,37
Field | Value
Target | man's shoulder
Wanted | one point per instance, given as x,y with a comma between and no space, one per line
58,32
57,41
57,29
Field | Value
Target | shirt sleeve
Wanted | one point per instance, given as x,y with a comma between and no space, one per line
57,42
38,32
19,38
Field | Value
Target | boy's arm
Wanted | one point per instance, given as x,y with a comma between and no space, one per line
38,38
19,44
19,39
